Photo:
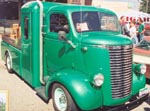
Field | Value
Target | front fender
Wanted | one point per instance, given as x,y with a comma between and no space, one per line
138,82
85,95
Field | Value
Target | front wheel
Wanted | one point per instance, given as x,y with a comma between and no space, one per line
62,101
9,63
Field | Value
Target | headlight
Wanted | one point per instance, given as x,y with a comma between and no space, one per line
141,68
98,80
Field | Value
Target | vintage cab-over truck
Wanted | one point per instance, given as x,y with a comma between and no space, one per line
75,55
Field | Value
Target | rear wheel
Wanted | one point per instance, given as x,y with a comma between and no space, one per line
62,101
9,63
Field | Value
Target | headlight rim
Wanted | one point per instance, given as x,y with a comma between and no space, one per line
143,67
139,69
98,80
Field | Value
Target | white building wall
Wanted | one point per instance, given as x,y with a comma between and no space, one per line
115,6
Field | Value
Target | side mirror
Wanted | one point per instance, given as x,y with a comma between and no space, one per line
62,36
66,28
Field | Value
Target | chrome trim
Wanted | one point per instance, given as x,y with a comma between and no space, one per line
121,70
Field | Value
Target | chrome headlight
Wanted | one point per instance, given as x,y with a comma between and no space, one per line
98,80
141,68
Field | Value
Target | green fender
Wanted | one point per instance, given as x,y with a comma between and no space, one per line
138,83
85,95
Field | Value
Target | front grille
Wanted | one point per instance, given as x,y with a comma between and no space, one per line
121,70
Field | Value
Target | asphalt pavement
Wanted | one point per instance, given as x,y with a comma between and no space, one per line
23,98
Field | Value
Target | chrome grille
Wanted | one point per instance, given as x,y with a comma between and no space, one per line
121,70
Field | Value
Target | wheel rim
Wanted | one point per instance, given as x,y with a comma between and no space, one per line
60,99
8,62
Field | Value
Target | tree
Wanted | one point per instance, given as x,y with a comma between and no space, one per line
145,6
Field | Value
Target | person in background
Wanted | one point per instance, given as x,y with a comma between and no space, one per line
132,30
141,29
124,26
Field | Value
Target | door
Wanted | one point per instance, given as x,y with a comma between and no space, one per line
59,54
26,47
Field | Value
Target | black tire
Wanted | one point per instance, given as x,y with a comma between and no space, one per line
9,63
65,99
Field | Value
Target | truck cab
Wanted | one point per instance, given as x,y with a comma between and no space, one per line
75,55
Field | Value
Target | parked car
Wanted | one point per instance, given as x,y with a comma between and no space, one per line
142,55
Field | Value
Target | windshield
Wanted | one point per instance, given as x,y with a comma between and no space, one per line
95,21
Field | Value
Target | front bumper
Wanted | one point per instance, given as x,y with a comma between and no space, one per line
132,103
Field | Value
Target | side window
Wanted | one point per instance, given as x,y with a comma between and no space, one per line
26,20
58,22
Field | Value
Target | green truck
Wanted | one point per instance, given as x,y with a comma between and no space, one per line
77,56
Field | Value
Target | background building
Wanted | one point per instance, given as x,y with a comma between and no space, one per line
118,6
9,9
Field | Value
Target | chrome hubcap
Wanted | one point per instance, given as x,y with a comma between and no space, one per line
60,99
8,62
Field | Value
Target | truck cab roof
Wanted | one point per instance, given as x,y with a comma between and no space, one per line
50,6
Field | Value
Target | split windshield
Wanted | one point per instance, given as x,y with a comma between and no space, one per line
94,21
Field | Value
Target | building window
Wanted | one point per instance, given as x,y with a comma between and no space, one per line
88,2
76,2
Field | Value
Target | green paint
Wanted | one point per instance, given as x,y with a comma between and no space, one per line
74,68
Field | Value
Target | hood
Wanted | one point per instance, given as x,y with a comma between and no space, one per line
97,38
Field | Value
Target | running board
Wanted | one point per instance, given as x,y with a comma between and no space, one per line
41,93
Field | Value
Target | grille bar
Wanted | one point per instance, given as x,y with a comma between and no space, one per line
121,70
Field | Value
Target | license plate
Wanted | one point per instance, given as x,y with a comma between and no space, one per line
144,91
